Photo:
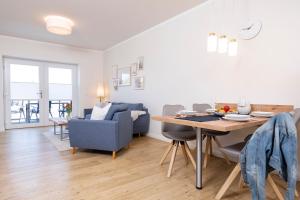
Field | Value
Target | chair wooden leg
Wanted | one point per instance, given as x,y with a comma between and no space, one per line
224,154
166,153
275,188
241,182
173,158
73,150
235,172
296,193
211,148
114,155
184,153
285,186
188,151
207,147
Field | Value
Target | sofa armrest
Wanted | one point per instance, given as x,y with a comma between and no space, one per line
141,125
146,110
125,127
94,134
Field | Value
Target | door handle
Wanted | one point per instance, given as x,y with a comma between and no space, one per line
40,93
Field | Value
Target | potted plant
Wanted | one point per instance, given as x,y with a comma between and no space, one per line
68,108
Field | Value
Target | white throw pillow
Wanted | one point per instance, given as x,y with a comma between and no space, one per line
136,113
100,113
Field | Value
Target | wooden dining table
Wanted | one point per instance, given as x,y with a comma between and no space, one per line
221,125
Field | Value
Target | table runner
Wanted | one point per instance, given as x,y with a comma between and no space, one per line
205,118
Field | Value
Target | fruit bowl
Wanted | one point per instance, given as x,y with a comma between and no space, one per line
224,111
221,114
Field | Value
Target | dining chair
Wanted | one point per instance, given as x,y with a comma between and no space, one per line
179,135
18,108
35,110
235,150
50,108
61,109
210,136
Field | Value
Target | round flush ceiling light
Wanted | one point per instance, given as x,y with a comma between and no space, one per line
59,25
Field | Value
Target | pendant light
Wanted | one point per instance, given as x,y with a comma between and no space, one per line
222,44
212,42
232,47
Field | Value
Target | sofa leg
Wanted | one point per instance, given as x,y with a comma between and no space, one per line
73,150
114,155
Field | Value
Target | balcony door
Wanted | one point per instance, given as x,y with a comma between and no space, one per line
37,91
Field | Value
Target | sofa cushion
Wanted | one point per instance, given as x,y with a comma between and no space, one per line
100,113
88,116
136,113
131,106
115,108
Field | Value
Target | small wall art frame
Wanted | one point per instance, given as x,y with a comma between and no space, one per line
124,76
140,63
134,69
115,83
139,82
114,71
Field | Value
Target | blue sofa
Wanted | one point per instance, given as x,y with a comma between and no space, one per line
108,135
141,125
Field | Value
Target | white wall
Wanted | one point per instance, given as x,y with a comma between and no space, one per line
90,65
178,70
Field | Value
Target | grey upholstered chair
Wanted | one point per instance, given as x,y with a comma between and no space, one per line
235,150
210,135
179,135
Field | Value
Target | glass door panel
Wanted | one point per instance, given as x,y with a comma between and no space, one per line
23,95
60,91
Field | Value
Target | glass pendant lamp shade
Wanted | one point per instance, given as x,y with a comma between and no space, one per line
59,25
222,44
232,47
212,42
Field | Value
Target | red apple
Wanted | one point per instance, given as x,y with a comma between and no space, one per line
226,108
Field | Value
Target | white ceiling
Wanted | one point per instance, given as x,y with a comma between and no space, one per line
99,24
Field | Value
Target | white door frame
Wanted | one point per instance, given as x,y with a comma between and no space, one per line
44,88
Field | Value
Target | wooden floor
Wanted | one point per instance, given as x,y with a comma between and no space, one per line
31,168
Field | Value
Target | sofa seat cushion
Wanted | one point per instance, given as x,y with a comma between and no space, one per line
114,108
100,113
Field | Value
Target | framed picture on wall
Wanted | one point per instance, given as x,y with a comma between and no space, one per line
134,69
124,76
140,63
115,71
115,83
139,82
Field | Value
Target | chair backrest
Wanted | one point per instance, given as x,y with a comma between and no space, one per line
171,110
297,119
201,107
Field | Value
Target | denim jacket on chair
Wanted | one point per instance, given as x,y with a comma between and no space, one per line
272,147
